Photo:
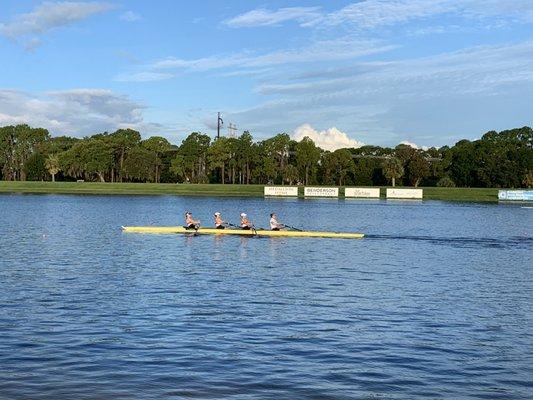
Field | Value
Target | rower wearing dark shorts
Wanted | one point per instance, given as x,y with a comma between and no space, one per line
219,222
190,222
245,222
274,224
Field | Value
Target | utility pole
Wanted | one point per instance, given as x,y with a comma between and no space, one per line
232,128
219,124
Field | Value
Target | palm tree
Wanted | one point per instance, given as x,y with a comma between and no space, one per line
393,169
52,165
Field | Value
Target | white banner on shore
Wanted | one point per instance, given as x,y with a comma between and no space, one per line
404,193
281,191
321,192
362,192
515,195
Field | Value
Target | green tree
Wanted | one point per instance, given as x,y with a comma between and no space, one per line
52,165
121,141
461,159
159,146
218,156
34,167
291,174
343,164
266,168
246,150
275,149
17,144
97,157
528,180
70,161
418,168
445,181
59,144
177,167
307,157
393,169
139,164
193,151
7,159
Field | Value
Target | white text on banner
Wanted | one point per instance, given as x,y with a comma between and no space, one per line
361,192
404,193
281,191
515,195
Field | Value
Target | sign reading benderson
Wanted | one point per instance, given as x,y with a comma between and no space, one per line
321,192
361,192
404,193
515,195
281,191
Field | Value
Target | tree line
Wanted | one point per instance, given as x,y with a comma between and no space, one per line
498,159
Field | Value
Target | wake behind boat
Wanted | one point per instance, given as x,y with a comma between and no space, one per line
240,232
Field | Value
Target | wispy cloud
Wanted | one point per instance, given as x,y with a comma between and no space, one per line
345,48
323,50
143,77
265,17
372,13
477,69
49,16
369,14
130,16
436,94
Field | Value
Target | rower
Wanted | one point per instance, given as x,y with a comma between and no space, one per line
274,224
190,222
219,222
245,222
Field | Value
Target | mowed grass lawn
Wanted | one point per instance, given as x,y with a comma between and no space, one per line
131,188
430,193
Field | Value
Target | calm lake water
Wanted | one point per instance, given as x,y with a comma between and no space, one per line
436,302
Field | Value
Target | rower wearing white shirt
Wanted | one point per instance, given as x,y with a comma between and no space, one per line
274,224
190,222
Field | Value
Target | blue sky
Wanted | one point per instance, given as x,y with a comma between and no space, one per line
429,72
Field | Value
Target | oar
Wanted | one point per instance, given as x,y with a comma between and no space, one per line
254,230
292,227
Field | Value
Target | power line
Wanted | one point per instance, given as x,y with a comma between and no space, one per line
232,128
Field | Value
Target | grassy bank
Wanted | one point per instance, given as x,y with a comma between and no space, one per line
430,193
131,188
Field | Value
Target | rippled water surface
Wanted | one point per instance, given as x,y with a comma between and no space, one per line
436,302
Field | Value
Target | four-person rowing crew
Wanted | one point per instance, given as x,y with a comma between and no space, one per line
245,223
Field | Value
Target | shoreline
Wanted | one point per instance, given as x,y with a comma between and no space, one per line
217,190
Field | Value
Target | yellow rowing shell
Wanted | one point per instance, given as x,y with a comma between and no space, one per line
240,232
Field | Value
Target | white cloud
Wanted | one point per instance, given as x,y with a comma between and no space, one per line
344,48
413,145
471,70
48,16
461,93
368,14
76,112
147,76
130,16
372,13
331,139
264,17
324,50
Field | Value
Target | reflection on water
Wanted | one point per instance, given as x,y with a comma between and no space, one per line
434,303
